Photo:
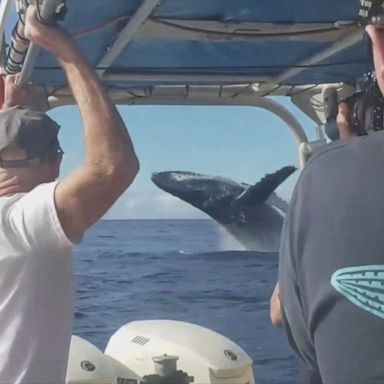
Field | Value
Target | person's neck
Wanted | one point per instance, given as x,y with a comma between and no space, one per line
18,181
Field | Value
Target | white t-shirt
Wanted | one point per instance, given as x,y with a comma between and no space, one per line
36,289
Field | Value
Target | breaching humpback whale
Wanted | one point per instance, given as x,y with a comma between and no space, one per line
253,214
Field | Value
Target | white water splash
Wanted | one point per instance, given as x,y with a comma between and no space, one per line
228,242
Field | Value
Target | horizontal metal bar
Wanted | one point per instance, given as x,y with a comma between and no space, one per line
195,96
184,77
231,90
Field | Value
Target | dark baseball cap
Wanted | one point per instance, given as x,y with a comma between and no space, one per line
29,129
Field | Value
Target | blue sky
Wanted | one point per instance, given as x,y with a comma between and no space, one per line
242,143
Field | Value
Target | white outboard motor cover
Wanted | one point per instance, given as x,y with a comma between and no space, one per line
88,365
206,355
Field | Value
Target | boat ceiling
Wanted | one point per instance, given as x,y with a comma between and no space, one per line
212,42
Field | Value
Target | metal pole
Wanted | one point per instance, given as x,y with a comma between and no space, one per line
5,6
127,33
281,112
47,11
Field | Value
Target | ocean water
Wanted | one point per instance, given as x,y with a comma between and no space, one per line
186,270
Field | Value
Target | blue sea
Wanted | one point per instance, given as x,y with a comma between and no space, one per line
187,270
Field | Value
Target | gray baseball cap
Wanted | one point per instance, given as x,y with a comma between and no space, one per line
29,129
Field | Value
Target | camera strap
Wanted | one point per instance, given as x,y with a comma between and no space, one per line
378,109
367,109
371,12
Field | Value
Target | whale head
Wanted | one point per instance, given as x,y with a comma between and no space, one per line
199,190
253,214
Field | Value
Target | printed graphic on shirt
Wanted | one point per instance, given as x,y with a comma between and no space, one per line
363,286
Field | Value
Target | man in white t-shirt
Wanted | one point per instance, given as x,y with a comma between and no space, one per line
41,219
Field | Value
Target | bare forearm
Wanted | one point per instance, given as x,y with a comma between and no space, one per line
377,38
106,137
111,164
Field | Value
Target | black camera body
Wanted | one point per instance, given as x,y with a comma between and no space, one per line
366,106
371,12
366,109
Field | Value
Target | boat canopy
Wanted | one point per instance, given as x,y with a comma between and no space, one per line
153,42
221,52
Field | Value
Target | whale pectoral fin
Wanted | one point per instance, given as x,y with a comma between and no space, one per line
258,193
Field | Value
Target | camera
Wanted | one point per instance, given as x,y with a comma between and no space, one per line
366,108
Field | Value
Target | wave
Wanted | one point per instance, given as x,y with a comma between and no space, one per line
232,254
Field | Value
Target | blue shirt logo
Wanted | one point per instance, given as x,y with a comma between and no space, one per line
363,286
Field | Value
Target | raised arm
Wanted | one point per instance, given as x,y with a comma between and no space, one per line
377,38
110,161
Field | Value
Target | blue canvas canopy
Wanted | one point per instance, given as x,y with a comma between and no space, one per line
214,41
207,52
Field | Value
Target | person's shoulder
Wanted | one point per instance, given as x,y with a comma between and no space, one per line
8,201
324,161
340,151
333,149
44,187
29,200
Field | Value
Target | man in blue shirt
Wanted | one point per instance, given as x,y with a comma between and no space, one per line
331,271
